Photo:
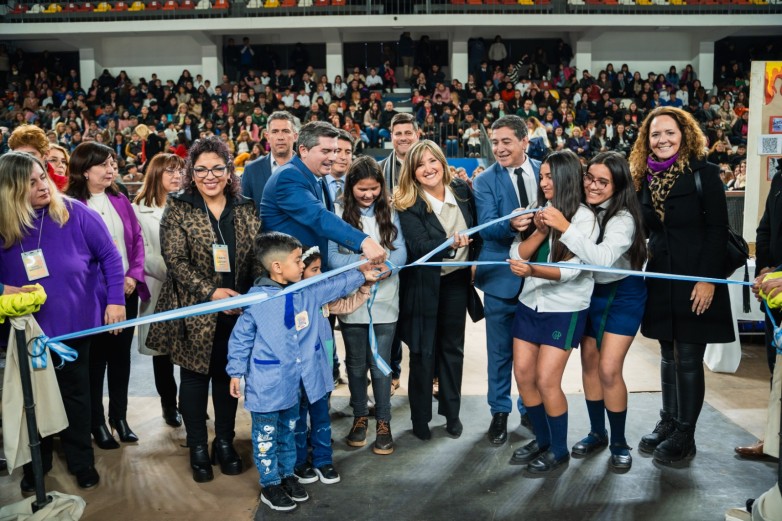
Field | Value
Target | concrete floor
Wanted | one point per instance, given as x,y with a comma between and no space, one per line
446,478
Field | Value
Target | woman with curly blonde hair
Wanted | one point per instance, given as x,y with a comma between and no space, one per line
685,212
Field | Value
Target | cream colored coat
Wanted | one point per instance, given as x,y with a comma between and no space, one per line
154,267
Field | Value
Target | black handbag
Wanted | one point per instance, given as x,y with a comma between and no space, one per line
737,253
474,304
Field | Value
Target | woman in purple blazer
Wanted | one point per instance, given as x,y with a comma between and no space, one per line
83,283
91,180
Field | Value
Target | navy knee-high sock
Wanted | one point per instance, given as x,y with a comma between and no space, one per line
558,425
617,422
537,415
597,419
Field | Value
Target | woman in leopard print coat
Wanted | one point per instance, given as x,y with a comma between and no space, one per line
209,218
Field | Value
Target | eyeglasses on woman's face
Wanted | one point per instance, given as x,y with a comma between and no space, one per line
600,183
173,172
201,172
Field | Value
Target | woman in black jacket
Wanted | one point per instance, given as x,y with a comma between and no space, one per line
433,301
688,235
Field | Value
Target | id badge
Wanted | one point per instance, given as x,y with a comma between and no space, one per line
302,320
221,259
35,265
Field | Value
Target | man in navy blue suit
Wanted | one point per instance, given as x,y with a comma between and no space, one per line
293,200
281,133
509,184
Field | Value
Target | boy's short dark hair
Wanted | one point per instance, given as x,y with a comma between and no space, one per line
270,246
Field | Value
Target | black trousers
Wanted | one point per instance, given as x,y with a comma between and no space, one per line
771,350
683,384
194,391
165,383
74,382
110,355
447,356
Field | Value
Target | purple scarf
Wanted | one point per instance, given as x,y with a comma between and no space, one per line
659,166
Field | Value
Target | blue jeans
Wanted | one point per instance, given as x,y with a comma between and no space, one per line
452,147
372,135
274,446
319,432
384,133
358,358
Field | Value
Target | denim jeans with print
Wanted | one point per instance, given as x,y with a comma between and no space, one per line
274,444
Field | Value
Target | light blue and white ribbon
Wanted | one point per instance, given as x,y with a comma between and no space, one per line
39,355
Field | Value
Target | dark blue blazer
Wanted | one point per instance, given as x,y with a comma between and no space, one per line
292,203
256,175
495,197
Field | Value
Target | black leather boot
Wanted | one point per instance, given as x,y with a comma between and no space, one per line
680,445
171,416
123,430
103,438
223,452
662,430
199,461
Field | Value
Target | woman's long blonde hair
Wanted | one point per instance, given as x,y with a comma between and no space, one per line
16,213
409,189
694,142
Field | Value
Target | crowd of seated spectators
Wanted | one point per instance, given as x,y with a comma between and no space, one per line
587,114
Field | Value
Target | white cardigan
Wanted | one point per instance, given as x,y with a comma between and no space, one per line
154,266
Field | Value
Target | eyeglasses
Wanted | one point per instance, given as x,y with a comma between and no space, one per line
201,172
176,171
589,179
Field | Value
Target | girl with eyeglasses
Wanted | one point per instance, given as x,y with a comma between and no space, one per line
617,304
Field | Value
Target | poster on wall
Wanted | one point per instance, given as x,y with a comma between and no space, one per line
774,166
770,145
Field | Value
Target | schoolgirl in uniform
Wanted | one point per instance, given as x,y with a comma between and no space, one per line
618,301
552,311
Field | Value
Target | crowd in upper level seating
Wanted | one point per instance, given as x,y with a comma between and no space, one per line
588,112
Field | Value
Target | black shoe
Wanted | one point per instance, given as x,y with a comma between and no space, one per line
293,488
88,478
546,462
527,453
103,438
678,446
357,437
3,465
199,462
305,473
328,474
620,457
454,427
171,416
498,430
123,430
223,452
421,430
276,498
662,430
27,484
592,442
384,442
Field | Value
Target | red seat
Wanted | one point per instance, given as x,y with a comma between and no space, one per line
221,4
321,3
170,5
19,9
120,6
187,4
288,3
338,2
86,7
154,5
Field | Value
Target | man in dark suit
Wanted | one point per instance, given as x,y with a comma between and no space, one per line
507,185
768,251
293,200
281,133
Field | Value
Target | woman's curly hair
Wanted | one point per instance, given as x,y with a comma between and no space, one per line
694,142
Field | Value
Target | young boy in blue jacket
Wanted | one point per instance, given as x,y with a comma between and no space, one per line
275,346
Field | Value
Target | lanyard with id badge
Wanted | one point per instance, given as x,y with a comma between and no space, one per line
220,257
34,263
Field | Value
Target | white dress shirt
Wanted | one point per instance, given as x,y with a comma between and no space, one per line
530,184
